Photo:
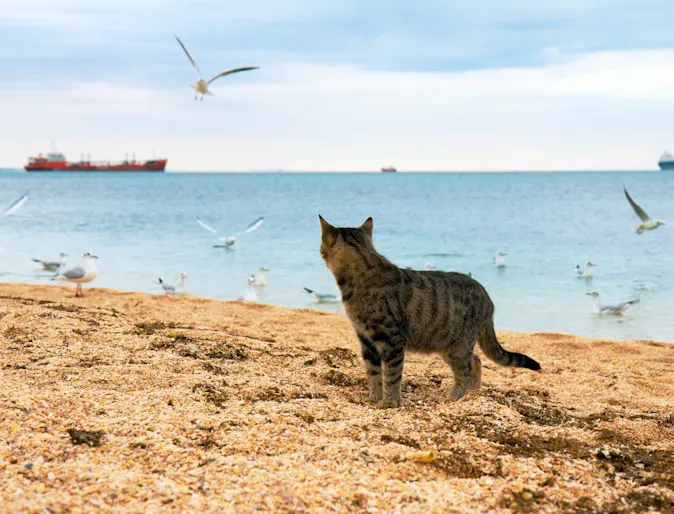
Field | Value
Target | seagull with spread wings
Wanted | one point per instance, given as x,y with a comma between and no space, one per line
202,85
14,207
646,222
230,240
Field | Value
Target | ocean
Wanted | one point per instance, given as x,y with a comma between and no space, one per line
143,226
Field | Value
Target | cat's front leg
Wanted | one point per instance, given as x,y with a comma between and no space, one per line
372,368
393,360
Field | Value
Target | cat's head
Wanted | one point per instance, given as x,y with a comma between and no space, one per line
339,245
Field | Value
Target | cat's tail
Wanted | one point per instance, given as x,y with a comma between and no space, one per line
493,349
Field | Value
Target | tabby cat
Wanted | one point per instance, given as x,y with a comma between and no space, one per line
393,310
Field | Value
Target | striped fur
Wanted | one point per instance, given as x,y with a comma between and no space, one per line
394,310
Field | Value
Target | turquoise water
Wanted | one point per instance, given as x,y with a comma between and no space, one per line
143,226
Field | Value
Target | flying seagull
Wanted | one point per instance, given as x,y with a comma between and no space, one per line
53,265
230,240
14,207
646,222
80,275
169,288
616,309
202,85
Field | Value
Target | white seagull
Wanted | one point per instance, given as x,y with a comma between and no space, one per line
323,297
429,267
14,207
53,265
172,289
249,295
587,272
646,222
499,260
80,275
260,278
202,85
230,240
616,309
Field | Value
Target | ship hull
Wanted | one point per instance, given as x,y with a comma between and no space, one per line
666,165
158,166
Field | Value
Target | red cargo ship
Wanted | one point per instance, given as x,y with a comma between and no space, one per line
56,161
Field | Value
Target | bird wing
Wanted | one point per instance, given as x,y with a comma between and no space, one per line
229,72
638,210
78,272
206,226
253,226
189,57
14,207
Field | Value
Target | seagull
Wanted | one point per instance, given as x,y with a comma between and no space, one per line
617,309
499,260
202,85
429,267
80,275
323,297
587,272
260,278
249,295
14,207
53,265
229,241
646,222
168,288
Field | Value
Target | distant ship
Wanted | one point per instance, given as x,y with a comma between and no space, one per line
56,161
666,161
389,169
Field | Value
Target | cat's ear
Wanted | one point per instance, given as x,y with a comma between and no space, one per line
368,226
325,226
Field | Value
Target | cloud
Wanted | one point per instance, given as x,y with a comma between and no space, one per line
606,110
434,84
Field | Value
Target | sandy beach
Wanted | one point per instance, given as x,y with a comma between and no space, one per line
130,402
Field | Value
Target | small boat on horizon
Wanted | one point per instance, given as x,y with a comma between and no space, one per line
666,161
389,169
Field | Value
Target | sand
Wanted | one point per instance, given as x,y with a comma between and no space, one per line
129,402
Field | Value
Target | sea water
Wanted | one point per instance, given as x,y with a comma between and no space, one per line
143,226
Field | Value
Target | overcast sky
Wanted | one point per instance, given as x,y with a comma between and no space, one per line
343,84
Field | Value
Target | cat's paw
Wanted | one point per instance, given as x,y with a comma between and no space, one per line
375,396
389,404
457,393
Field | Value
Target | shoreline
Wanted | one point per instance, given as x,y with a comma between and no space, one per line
206,404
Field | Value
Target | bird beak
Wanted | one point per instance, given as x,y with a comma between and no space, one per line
94,256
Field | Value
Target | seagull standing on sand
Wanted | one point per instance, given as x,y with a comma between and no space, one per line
499,260
172,289
646,222
53,265
230,240
80,275
616,309
323,297
260,277
14,207
202,85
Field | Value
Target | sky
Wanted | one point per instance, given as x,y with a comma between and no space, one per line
344,85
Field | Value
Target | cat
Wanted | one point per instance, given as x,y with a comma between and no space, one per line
394,310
